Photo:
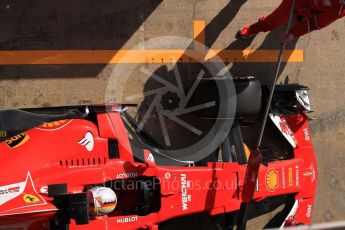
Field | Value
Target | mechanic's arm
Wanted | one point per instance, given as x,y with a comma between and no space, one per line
316,22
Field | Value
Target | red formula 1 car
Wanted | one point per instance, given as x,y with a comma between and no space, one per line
78,170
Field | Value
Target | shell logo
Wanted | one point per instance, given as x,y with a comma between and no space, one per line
272,180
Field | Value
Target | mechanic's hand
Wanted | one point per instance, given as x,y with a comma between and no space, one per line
287,38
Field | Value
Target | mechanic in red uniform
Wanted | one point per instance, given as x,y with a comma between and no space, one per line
309,15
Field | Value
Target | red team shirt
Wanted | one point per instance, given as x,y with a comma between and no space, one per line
309,14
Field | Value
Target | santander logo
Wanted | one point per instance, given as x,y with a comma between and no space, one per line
88,141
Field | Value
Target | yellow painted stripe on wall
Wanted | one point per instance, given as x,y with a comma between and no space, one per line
142,56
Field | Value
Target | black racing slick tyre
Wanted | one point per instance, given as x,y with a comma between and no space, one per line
248,97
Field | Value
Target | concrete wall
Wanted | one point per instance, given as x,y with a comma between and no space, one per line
36,25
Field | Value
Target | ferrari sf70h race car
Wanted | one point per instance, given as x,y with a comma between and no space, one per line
74,167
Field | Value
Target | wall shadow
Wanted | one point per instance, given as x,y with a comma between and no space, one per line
264,71
188,73
221,21
67,25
